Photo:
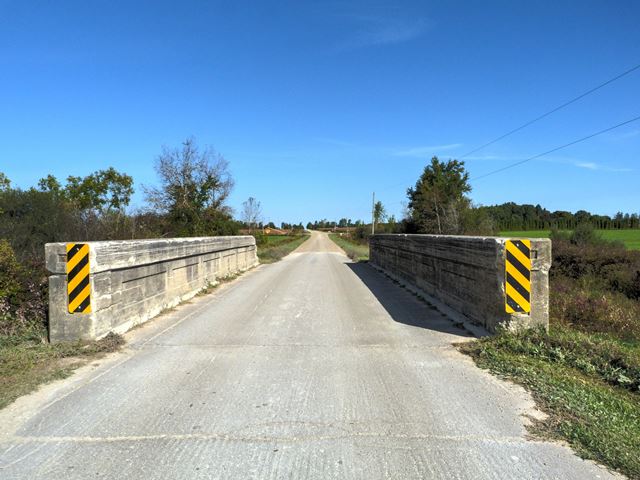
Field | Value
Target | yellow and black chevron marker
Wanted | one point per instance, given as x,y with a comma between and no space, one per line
517,280
78,284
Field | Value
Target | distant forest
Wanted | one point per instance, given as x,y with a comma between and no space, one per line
511,216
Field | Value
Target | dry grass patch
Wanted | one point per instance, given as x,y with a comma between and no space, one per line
26,363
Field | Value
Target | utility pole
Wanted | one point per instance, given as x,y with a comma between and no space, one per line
373,214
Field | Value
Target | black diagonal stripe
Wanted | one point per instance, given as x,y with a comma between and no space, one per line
519,288
522,247
83,306
516,263
514,305
76,291
72,252
75,270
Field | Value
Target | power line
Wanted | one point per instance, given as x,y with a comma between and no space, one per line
626,72
635,119
557,148
573,100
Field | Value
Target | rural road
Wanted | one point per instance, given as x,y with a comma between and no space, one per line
313,367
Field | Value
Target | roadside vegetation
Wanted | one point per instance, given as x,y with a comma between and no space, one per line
272,248
27,362
357,249
189,199
585,371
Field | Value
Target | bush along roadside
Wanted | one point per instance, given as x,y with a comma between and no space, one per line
272,248
27,359
355,250
585,371
23,296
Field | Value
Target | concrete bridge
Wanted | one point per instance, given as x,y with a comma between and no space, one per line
313,367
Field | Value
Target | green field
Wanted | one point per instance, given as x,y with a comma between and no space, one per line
630,238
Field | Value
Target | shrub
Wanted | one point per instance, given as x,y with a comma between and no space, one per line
9,273
610,265
584,234
31,218
261,238
624,278
360,234
23,296
558,235
586,306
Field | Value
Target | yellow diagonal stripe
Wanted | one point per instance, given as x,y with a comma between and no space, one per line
82,274
84,250
515,273
524,260
513,293
80,298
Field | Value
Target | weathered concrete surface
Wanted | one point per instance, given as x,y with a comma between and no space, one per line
134,280
312,367
465,274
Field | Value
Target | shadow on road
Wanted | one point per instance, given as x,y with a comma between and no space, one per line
402,305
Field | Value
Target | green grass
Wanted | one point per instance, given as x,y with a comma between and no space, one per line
357,252
630,237
26,363
274,247
588,384
272,240
526,233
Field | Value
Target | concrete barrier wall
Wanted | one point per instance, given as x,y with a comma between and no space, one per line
134,280
466,275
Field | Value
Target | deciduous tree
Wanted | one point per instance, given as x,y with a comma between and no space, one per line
437,201
194,187
251,212
379,213
5,183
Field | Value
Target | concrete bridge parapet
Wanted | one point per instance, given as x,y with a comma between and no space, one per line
467,276
131,281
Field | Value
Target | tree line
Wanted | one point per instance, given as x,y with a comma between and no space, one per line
251,216
511,216
190,198
439,203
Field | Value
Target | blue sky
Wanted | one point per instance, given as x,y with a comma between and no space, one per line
317,104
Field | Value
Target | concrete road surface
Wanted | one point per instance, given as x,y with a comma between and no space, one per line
313,367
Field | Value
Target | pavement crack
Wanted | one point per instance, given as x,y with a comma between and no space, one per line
265,438
296,345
